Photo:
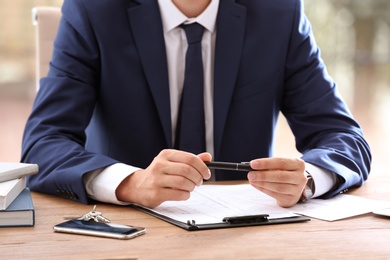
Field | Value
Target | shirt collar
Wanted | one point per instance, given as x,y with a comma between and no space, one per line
172,17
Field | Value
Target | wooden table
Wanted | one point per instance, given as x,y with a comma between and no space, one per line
362,237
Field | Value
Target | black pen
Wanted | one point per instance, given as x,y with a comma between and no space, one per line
244,166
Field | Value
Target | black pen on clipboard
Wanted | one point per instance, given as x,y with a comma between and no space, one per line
243,166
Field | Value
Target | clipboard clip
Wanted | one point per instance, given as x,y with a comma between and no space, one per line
251,219
191,223
236,220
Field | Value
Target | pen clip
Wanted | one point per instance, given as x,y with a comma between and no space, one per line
247,219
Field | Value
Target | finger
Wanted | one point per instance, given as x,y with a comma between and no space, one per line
278,188
276,176
285,197
174,162
158,196
206,157
177,173
177,182
185,159
176,195
286,201
278,163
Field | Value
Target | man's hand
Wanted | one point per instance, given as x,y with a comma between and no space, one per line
172,175
280,178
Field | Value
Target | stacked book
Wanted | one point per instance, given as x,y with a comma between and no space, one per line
16,207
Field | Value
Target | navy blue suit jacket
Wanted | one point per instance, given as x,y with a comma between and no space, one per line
106,96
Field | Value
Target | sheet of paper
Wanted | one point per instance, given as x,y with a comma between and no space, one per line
211,203
382,212
340,207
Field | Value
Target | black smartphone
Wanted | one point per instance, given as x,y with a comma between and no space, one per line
93,228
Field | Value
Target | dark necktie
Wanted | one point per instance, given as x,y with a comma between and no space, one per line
190,133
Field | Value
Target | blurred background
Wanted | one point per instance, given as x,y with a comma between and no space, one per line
354,36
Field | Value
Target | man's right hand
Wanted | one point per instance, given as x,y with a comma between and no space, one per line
171,176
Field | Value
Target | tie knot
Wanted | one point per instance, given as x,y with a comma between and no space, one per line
194,32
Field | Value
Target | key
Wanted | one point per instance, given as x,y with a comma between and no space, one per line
94,215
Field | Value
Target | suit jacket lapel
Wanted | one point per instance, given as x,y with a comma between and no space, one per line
230,37
145,22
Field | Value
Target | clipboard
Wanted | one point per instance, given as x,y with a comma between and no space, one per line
227,222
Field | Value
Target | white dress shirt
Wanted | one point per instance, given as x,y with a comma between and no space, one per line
101,184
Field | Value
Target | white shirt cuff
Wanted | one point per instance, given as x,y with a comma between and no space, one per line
101,184
324,180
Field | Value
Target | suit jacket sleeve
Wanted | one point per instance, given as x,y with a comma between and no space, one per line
55,132
325,131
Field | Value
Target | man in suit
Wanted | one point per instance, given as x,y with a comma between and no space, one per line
104,121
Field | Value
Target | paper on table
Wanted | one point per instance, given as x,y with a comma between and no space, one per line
385,212
340,207
211,203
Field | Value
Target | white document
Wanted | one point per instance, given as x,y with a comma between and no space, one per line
212,203
339,207
382,212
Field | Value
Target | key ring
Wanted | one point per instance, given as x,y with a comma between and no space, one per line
93,215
